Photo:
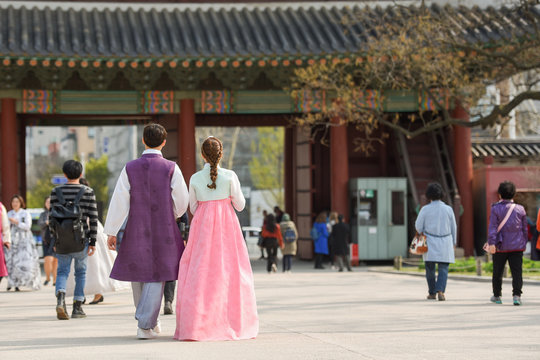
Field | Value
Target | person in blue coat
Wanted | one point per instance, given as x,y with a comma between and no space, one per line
437,222
321,240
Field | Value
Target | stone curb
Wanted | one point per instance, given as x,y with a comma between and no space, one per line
456,277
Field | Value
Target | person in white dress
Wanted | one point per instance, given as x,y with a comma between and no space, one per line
99,267
22,258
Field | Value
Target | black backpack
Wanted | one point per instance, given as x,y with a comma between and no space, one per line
66,224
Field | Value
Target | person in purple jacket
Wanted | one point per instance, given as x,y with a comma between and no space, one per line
151,194
507,242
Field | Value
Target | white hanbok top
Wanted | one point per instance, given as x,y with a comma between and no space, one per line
227,186
24,218
119,206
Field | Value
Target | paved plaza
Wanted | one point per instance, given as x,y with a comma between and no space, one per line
303,315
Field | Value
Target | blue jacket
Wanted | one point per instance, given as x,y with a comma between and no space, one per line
436,220
321,243
513,235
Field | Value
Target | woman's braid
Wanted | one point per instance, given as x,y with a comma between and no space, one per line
212,149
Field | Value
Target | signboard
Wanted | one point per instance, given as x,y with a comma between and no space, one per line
58,180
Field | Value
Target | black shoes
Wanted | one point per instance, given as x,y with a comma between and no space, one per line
61,311
167,308
77,312
46,283
97,300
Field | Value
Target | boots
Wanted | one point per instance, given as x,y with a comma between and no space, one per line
61,311
77,310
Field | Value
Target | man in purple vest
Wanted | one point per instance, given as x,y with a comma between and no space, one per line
151,193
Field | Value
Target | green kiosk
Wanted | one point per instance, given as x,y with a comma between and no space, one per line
379,217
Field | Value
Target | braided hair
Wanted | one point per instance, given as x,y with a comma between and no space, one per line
212,150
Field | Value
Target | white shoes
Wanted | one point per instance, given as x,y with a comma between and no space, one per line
157,328
144,334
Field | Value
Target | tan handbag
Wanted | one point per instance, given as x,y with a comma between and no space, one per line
418,244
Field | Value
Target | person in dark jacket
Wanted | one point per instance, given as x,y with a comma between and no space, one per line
339,242
508,242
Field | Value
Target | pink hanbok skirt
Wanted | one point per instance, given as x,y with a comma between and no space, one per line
216,297
3,268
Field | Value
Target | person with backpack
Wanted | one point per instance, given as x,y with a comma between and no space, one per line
290,236
73,222
151,193
507,239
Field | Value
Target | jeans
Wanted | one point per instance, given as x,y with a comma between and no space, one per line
440,283
287,262
64,266
515,260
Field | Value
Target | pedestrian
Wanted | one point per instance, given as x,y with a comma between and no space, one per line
278,213
260,241
50,262
507,240
75,238
5,240
272,239
98,268
437,222
151,193
168,293
290,237
340,241
331,221
216,296
320,238
22,258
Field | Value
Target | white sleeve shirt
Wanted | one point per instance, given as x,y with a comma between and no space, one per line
119,205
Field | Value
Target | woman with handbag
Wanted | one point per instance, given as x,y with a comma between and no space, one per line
437,222
507,239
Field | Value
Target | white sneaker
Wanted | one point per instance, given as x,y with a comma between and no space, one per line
157,328
144,334
274,268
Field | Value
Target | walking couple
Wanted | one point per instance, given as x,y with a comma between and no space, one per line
216,298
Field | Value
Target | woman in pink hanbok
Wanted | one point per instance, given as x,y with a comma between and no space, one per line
5,236
216,297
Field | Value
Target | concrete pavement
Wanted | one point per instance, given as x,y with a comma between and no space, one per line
304,315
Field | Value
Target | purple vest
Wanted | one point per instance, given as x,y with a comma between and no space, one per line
152,244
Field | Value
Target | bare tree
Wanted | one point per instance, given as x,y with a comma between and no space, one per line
443,55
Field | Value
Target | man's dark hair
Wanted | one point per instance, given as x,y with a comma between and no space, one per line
154,135
507,190
72,169
434,191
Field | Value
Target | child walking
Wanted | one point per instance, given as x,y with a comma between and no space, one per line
216,297
507,239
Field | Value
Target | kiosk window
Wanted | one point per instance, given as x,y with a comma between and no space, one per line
398,208
367,207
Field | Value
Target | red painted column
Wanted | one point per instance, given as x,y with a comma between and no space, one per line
339,169
463,169
289,170
186,138
9,150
